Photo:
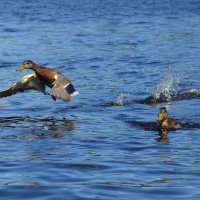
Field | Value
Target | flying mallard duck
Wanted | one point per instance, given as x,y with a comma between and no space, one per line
165,122
61,87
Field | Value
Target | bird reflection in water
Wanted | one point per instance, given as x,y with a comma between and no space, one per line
40,128
163,132
58,129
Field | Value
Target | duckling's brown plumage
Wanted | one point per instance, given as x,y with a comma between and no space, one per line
165,122
61,87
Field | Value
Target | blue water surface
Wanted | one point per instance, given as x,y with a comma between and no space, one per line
115,52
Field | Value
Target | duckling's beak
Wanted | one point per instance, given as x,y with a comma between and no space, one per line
20,68
160,117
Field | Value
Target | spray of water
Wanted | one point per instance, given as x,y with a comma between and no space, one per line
119,100
168,87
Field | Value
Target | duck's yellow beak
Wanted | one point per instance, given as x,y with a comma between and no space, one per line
20,68
160,117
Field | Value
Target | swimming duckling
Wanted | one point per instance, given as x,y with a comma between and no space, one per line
164,122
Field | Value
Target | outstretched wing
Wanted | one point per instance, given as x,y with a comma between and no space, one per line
28,82
62,88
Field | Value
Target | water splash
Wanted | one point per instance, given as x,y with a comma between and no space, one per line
168,87
119,100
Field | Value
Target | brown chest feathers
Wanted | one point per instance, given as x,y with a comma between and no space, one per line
46,75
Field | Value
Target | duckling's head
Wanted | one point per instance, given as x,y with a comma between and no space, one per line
27,64
162,115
